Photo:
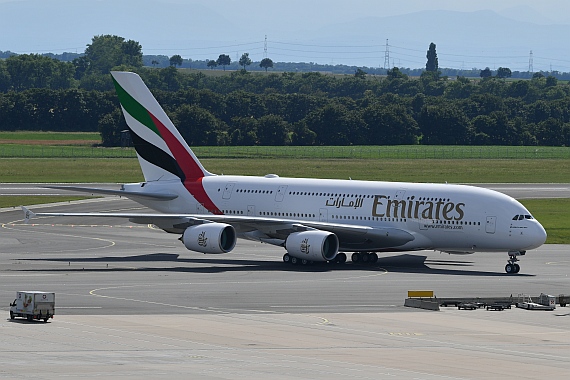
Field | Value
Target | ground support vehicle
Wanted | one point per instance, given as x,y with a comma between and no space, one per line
33,305
545,302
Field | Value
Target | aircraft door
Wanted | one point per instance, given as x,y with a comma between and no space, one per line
490,225
400,194
200,209
250,210
228,190
323,215
280,193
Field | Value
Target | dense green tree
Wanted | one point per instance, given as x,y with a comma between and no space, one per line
432,61
396,73
224,60
5,80
197,126
518,89
244,131
244,60
359,73
107,51
302,135
551,81
504,72
266,63
444,125
334,124
390,125
486,73
27,71
549,132
272,130
212,64
112,126
461,88
175,60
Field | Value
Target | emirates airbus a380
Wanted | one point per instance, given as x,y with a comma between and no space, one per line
315,220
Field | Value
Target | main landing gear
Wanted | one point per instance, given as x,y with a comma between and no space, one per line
357,258
512,266
364,257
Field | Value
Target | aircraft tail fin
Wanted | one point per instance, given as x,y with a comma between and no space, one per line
162,152
28,214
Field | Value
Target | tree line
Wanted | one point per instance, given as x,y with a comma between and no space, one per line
244,108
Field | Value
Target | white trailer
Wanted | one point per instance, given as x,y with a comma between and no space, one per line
33,305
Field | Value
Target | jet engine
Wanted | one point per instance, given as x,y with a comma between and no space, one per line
210,238
312,245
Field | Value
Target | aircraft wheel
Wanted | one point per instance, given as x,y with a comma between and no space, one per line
517,268
365,257
304,261
294,260
286,258
341,258
510,268
356,257
373,258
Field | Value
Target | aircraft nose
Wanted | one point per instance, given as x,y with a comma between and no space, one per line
538,236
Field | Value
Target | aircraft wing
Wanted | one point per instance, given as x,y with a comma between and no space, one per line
269,230
134,195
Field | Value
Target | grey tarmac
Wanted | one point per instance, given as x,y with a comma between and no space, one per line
132,302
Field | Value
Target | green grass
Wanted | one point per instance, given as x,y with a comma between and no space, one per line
8,150
19,200
452,171
50,136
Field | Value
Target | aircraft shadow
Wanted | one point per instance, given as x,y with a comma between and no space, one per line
402,263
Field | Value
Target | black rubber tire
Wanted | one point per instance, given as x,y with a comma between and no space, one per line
509,268
286,258
517,268
356,257
373,258
341,257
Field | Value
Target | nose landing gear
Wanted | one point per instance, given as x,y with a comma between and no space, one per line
512,266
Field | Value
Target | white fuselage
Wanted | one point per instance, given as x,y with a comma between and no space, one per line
452,218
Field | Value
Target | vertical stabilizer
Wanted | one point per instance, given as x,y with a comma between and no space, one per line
162,152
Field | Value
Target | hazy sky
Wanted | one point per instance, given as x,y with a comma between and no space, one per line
51,26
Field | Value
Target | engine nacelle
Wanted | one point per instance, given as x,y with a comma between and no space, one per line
210,238
312,245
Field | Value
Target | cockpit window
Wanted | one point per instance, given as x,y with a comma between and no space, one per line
521,217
